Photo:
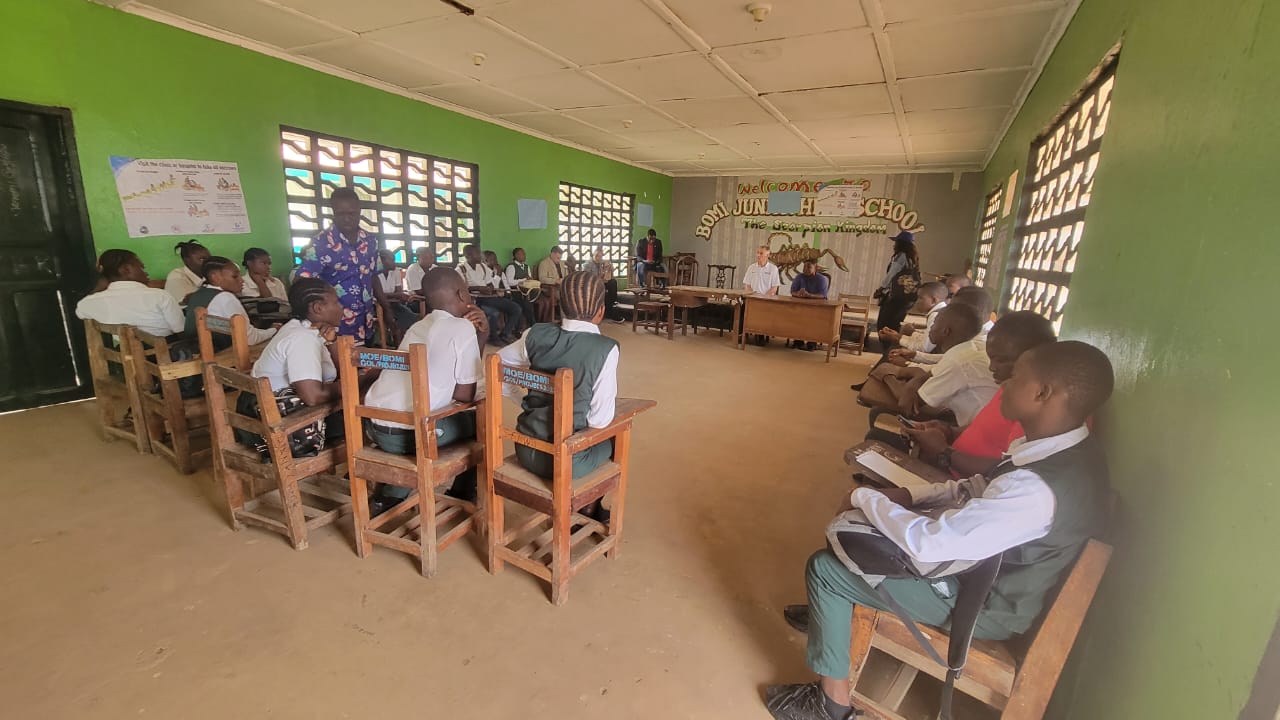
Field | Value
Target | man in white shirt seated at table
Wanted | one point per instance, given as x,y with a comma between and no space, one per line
762,279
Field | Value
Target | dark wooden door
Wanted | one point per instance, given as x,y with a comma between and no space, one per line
46,260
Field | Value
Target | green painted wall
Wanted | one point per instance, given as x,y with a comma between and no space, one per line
1174,282
142,89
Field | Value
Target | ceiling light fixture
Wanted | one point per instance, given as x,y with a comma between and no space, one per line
478,59
759,11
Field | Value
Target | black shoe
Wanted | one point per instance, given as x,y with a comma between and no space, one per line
463,488
797,616
379,504
810,347
801,702
857,387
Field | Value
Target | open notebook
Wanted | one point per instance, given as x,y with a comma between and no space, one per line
893,473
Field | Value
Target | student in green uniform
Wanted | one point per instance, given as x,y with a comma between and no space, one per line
1042,504
578,345
222,283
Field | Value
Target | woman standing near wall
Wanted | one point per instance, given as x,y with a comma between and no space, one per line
897,292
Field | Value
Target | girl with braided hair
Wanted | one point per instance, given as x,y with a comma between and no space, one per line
578,345
222,284
127,300
187,277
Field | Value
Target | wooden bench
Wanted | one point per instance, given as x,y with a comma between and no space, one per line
440,520
177,426
1019,687
305,493
119,407
555,542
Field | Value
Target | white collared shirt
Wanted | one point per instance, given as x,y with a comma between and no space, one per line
478,276
125,302
919,340
297,352
225,304
390,281
181,282
274,286
413,278
453,358
761,279
604,392
961,381
1015,507
511,273
930,358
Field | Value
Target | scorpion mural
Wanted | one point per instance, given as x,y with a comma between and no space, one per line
789,257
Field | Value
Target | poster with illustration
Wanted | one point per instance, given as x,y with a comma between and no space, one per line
180,197
840,199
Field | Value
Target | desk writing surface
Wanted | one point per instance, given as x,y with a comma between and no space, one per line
915,465
802,301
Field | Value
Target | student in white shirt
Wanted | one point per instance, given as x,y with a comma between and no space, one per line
454,333
394,289
962,380
260,283
184,279
413,275
979,299
762,278
505,316
931,297
128,300
222,283
514,294
519,272
1038,509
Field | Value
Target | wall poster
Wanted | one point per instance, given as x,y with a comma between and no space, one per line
180,197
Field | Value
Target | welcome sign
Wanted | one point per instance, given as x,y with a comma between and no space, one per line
832,199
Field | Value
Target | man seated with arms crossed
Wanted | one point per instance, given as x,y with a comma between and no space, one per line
979,446
1039,508
762,278
809,284
961,381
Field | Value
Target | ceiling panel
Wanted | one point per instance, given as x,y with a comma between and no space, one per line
597,139
969,44
369,14
882,125
680,167
846,57
738,165
450,43
381,63
727,22
869,160
619,29
254,20
480,97
673,77
896,11
971,89
551,123
562,90
615,119
944,158
831,103
952,142
669,138
770,139
962,120
861,145
717,112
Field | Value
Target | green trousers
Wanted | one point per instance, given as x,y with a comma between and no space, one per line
584,461
461,426
834,590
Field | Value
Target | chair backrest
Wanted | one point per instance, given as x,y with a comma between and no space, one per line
723,276
352,359
154,363
223,386
108,344
856,303
651,279
236,328
559,386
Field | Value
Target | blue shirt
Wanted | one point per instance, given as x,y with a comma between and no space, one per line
815,285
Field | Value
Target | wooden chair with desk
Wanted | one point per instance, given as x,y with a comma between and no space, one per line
173,403
115,384
439,520
555,542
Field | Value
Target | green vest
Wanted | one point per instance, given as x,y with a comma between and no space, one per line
522,271
1029,572
551,348
201,299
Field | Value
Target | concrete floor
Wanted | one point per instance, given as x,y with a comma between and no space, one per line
127,595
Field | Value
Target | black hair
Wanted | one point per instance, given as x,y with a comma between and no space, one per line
304,293
214,263
439,280
187,248
343,193
934,288
1080,369
1025,329
977,298
964,319
112,262
555,249
652,233
581,295
515,250
253,254
908,248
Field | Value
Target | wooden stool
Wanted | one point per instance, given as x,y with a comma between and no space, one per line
307,494
440,519
545,545
119,407
178,426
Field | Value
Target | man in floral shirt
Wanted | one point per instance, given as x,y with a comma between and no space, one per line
346,257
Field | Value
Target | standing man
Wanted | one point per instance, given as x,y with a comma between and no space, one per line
346,257
809,284
597,265
762,278
649,256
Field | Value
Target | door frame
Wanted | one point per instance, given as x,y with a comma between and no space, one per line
77,228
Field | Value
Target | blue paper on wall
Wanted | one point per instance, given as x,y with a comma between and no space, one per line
784,202
533,213
644,215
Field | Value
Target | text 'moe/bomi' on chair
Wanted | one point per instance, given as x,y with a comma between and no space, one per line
440,519
555,542
173,404
116,391
1018,684
306,494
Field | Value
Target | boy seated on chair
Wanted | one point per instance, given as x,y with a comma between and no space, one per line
454,333
961,381
578,345
1042,503
979,299
931,298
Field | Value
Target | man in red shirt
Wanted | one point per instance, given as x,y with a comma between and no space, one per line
648,256
975,450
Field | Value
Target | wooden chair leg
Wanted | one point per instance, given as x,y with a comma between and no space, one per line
621,453
427,527
233,484
560,559
290,497
360,512
864,629
495,531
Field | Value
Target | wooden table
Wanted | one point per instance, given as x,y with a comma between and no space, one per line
915,465
693,296
808,319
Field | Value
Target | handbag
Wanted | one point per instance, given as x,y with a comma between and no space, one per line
306,441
